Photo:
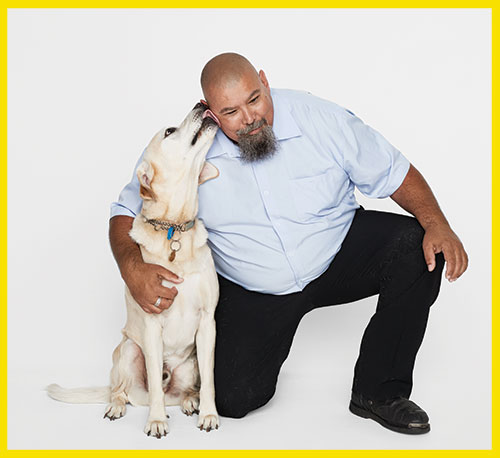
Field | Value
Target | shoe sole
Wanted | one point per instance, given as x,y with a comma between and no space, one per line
363,413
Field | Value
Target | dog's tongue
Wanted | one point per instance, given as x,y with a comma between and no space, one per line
209,114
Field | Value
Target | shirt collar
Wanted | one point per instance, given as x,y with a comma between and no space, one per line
284,127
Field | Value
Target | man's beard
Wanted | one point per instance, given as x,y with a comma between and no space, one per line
259,146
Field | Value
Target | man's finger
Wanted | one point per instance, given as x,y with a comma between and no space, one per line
164,304
150,308
168,293
451,262
169,276
462,255
458,265
430,257
466,261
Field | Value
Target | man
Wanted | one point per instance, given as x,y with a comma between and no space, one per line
288,236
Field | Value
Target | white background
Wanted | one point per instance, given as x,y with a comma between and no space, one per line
88,88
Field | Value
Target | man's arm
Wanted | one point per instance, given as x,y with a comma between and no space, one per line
143,280
415,196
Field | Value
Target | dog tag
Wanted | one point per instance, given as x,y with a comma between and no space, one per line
175,246
170,233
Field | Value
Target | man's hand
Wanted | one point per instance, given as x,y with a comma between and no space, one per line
143,280
441,239
145,284
416,197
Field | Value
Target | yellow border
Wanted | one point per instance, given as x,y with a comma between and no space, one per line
219,453
3,315
495,193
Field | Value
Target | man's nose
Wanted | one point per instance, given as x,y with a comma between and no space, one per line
248,116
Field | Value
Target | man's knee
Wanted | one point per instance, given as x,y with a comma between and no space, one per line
405,266
410,243
405,247
410,235
238,400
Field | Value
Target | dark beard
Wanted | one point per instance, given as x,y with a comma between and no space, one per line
259,146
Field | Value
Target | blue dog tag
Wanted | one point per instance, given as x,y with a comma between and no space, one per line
170,233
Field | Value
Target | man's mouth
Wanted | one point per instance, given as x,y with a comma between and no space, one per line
253,128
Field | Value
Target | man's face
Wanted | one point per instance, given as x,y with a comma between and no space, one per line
244,109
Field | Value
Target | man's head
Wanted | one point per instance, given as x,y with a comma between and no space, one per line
241,99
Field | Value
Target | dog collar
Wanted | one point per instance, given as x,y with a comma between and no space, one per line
168,226
175,244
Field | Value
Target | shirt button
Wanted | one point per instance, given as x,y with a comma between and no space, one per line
266,193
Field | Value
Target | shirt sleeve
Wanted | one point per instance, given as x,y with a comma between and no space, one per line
372,163
129,201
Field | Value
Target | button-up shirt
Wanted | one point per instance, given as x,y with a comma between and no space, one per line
277,224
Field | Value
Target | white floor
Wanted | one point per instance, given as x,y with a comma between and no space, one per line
309,410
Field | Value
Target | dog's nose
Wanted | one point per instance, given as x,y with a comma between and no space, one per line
199,105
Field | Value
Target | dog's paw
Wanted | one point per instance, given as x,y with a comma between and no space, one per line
208,422
115,411
156,428
190,405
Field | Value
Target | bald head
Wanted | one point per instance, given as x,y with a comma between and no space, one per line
225,70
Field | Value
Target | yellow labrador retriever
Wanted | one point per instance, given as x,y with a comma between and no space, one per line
168,358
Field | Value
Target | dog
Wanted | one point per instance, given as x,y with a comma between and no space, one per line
168,358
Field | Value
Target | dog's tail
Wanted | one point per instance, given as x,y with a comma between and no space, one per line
96,395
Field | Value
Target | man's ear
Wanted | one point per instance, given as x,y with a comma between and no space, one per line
208,172
263,78
145,174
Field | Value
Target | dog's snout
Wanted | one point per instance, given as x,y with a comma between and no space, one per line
199,105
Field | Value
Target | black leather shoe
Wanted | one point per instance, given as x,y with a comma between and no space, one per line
398,414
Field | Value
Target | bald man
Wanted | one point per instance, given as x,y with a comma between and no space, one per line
288,236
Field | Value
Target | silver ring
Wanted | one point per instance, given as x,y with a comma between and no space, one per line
158,301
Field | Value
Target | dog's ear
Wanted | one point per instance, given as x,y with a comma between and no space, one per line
208,172
145,174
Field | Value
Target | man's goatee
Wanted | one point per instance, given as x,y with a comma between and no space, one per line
259,146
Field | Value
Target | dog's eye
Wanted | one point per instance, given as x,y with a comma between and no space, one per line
169,131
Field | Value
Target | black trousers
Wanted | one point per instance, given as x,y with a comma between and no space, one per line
381,254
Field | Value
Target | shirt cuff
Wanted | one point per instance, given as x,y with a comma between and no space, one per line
117,210
398,175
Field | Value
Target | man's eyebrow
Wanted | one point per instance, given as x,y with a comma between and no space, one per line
253,94
225,110
250,97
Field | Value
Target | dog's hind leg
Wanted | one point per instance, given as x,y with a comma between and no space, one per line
127,378
186,380
191,402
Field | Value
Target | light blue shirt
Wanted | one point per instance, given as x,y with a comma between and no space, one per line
275,225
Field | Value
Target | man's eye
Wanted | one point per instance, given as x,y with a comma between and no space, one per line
230,112
254,99
169,131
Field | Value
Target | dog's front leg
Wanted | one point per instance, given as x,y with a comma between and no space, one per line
205,347
153,355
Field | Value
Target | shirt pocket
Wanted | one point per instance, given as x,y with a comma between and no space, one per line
319,195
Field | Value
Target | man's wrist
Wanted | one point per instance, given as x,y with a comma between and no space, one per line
429,222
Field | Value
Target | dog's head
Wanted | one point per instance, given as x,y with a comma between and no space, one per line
174,161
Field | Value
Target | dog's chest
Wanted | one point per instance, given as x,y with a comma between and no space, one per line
182,320
179,326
